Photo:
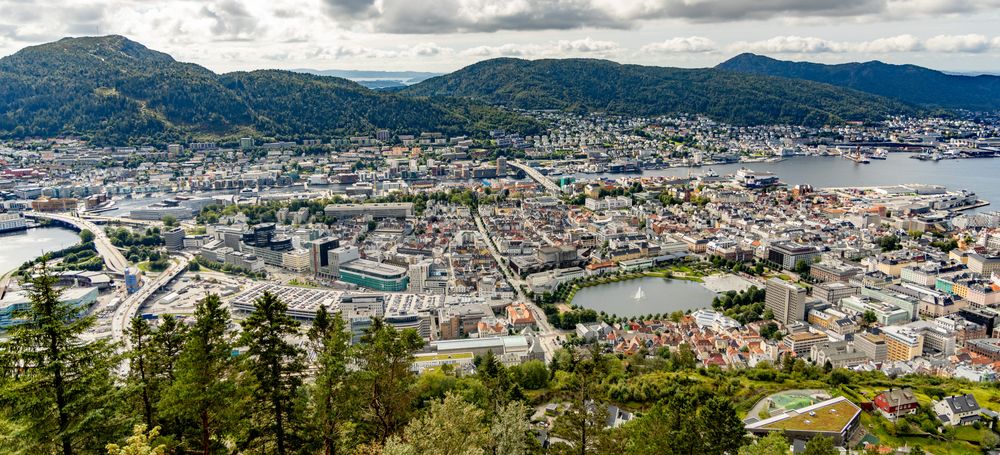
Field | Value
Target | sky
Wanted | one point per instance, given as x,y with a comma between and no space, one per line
445,35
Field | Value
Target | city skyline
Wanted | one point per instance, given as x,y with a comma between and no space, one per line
390,35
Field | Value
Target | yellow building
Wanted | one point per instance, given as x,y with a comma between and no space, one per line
903,343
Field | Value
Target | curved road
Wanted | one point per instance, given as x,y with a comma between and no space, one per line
129,307
546,182
116,262
113,258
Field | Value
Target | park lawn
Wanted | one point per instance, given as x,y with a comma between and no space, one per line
876,425
987,396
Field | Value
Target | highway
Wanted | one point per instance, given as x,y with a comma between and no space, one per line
122,220
548,335
113,258
533,173
129,307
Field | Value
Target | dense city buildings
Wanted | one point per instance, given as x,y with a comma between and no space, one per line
486,245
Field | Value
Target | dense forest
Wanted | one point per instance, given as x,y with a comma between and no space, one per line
907,83
116,91
586,85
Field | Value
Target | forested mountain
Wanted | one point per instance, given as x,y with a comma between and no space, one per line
907,83
117,91
601,85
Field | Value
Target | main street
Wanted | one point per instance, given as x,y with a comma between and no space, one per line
548,335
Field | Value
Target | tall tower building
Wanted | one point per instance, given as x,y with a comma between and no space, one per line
785,300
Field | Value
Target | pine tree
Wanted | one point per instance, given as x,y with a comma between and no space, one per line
165,346
167,343
385,357
276,367
584,420
332,393
722,430
496,379
56,388
203,390
140,379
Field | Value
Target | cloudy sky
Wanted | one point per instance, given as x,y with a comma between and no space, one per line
444,35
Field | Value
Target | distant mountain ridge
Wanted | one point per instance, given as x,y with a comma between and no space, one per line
908,83
117,91
361,76
585,85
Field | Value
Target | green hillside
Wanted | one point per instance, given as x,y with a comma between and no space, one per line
601,85
906,83
117,91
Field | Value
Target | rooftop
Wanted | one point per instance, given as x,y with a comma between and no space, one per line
828,416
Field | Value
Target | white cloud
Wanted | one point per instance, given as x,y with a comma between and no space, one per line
942,44
900,43
505,50
587,45
556,49
681,45
789,45
960,44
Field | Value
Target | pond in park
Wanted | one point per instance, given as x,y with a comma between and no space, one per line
646,295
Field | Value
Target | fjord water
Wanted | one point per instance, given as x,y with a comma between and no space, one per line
981,176
16,248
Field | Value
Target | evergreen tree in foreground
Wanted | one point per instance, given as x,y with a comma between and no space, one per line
384,358
56,388
275,367
140,380
333,396
203,390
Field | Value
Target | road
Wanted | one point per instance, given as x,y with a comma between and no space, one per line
533,173
129,307
549,336
113,258
123,220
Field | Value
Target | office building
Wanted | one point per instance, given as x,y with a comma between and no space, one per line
834,291
787,254
174,239
12,222
872,345
786,301
380,210
833,272
903,343
319,256
374,275
54,204
16,302
801,343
